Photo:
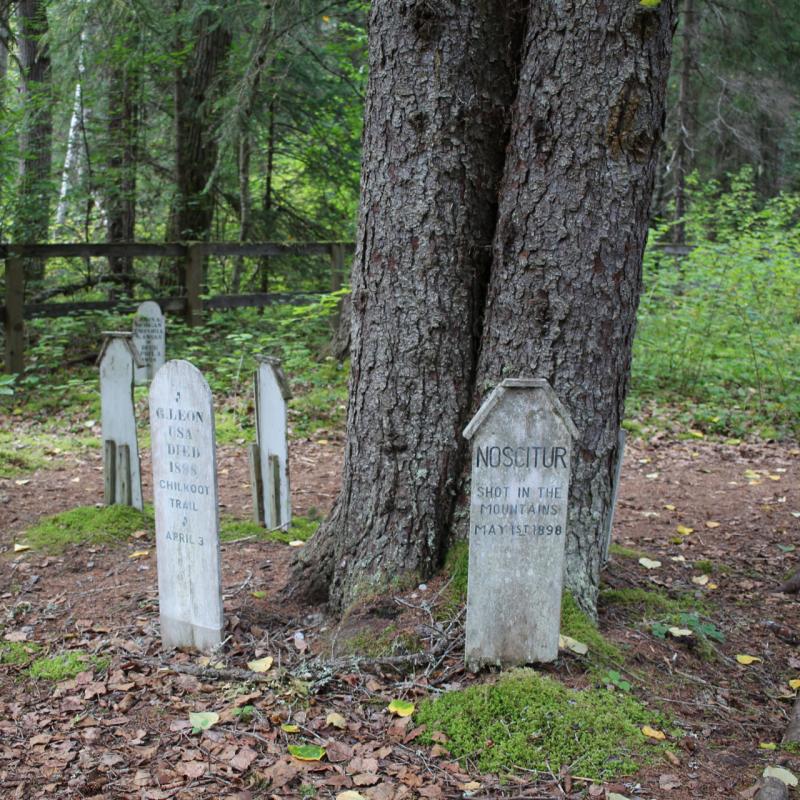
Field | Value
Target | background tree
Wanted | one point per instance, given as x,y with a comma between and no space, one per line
564,279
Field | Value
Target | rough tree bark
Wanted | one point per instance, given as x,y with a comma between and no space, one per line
572,223
195,139
32,220
441,82
123,135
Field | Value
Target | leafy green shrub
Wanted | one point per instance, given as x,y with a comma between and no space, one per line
719,329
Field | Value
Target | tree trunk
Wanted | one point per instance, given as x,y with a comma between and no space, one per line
687,114
245,207
120,188
195,139
441,81
572,223
33,195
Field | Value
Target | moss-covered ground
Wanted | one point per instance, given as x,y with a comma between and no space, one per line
528,721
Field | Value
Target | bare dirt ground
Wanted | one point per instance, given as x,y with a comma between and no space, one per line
124,732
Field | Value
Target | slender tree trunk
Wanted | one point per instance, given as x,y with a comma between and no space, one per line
123,133
33,207
687,114
245,208
441,81
267,221
571,231
195,139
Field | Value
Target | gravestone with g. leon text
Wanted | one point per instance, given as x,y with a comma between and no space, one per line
122,474
186,508
149,339
521,451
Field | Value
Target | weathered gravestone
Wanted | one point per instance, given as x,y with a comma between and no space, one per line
149,339
121,471
521,451
187,512
269,457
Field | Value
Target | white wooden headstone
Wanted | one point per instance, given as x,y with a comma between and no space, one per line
123,480
186,507
521,458
272,394
149,339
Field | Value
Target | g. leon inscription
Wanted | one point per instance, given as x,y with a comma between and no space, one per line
187,517
522,442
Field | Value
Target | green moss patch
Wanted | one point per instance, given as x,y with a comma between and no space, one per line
65,666
527,721
88,525
301,529
649,603
576,624
625,552
18,654
23,453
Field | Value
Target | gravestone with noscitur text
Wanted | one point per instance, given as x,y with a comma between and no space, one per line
521,457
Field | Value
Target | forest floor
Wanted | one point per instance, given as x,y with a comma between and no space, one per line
120,727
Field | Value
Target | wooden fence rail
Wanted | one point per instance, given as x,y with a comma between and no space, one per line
15,311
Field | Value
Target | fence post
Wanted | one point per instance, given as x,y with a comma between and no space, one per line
14,323
193,313
337,266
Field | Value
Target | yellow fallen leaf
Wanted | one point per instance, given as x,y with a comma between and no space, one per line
712,586
697,434
23,482
712,524
679,633
784,775
205,661
651,475
677,558
203,720
336,720
139,554
296,543
401,707
616,796
653,733
350,795
287,727
470,786
306,752
649,563
751,474
568,643
21,548
768,746
669,507
794,683
745,659
700,580
260,664
774,477
683,530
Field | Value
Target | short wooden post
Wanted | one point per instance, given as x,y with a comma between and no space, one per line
109,472
608,529
274,478
337,266
14,322
256,484
124,471
193,313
